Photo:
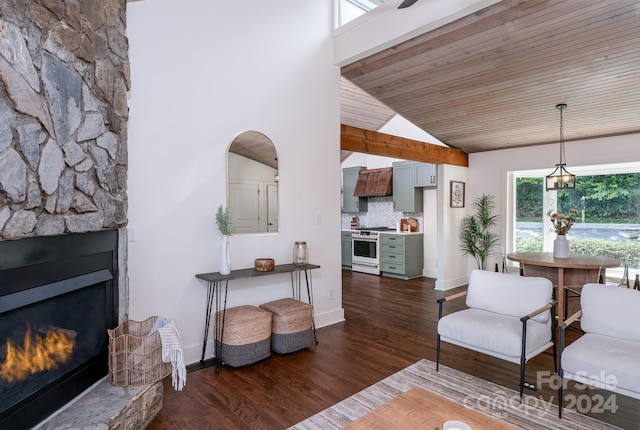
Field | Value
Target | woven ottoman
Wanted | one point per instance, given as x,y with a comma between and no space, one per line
247,336
292,325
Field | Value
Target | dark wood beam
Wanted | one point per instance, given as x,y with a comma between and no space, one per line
376,143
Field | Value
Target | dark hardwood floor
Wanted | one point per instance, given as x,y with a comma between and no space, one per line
390,324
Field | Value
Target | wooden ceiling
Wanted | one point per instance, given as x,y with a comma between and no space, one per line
491,80
255,146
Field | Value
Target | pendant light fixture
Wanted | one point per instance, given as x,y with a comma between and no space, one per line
561,179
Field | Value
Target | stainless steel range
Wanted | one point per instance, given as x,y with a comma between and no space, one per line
366,250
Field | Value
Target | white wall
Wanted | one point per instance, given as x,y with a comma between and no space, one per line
450,268
386,25
488,171
202,72
400,126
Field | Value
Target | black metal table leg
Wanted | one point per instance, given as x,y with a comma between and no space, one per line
309,281
207,318
220,325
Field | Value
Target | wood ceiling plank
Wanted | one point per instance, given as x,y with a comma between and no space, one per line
491,79
527,57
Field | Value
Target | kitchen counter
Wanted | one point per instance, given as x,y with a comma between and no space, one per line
390,232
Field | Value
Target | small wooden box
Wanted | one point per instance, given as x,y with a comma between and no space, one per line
263,264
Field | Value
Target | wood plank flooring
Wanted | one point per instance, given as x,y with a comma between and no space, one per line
390,324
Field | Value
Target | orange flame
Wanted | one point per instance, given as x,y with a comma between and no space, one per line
40,353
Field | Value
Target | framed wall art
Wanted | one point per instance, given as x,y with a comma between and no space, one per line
456,196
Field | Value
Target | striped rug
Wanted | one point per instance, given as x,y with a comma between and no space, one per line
481,395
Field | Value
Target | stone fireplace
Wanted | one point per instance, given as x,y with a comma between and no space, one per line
58,296
64,77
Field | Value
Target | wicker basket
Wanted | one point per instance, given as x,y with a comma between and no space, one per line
135,355
292,325
247,335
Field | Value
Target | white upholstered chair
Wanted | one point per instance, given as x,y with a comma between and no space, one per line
509,317
607,355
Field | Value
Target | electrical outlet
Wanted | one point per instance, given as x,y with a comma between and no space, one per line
332,294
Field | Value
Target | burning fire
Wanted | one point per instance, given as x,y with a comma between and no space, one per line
40,352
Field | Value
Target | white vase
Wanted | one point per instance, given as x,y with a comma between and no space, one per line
561,247
225,256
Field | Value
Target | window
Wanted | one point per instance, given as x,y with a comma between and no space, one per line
608,222
348,10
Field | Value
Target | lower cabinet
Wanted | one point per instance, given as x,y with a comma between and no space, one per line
402,255
346,249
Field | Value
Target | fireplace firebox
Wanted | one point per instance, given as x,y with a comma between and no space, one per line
58,297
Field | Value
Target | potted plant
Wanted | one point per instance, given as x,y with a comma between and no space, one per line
225,225
476,236
224,220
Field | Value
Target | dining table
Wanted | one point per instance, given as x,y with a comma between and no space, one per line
572,272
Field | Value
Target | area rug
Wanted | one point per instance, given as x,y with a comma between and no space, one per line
489,398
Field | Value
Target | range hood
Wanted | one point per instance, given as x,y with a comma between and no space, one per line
374,183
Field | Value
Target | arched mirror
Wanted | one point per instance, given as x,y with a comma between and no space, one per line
252,183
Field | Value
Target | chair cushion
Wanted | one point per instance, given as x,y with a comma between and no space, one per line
610,311
507,294
604,360
493,332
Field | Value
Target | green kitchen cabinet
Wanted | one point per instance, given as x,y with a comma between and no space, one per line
346,250
406,197
426,175
409,178
402,255
349,180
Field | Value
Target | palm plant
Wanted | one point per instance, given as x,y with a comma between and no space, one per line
476,236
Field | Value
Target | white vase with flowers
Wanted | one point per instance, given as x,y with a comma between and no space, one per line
562,224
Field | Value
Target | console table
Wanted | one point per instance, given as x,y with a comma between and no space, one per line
574,271
214,289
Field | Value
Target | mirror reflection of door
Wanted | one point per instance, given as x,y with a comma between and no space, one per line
252,184
244,206
272,208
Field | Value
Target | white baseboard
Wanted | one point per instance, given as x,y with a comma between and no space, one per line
451,283
328,318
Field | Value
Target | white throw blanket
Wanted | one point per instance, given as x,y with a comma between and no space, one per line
172,350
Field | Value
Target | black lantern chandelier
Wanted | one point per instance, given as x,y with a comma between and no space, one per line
561,179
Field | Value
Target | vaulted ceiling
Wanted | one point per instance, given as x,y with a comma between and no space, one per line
491,80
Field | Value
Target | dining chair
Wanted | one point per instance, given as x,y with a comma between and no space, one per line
625,275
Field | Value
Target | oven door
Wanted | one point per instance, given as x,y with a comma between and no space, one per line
365,249
366,255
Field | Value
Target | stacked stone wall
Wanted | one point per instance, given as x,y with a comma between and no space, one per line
64,77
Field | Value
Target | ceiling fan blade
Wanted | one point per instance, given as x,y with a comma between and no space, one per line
406,3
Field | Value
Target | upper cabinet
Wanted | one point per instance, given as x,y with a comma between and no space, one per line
406,197
374,183
350,203
426,175
409,178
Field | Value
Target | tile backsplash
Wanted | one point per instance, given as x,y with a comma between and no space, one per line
380,214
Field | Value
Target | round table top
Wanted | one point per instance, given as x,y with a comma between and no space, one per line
575,261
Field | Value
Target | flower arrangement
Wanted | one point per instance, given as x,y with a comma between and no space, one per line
562,223
224,220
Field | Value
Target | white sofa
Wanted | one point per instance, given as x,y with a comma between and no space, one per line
509,317
607,355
